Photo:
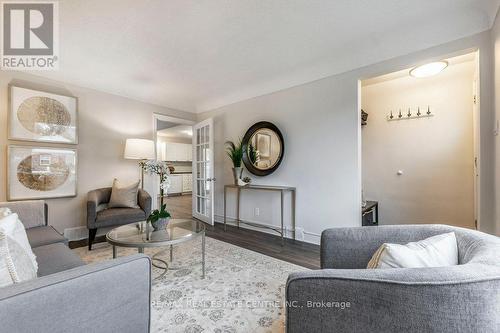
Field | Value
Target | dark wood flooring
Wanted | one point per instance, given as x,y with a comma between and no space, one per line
296,252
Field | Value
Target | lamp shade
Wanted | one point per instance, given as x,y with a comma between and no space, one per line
139,149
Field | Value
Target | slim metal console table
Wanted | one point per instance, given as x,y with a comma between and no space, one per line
281,189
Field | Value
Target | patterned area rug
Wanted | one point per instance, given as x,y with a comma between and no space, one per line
243,291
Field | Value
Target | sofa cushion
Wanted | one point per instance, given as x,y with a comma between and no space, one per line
55,258
15,263
44,235
13,227
119,216
31,212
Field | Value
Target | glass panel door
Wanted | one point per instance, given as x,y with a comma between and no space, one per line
203,171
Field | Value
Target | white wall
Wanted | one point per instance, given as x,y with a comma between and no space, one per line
319,121
435,154
105,121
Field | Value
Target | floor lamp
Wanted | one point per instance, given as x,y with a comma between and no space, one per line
139,149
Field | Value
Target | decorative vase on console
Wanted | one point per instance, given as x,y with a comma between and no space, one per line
235,153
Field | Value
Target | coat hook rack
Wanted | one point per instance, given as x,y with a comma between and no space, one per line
410,115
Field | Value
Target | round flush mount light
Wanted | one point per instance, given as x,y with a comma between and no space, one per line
429,69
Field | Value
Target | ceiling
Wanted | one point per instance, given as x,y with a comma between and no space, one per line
468,57
197,55
178,132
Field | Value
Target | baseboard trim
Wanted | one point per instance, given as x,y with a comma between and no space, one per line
301,234
80,233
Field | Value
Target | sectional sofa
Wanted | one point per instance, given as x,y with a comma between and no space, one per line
70,296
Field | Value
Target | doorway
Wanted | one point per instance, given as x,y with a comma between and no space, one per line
420,144
173,141
187,148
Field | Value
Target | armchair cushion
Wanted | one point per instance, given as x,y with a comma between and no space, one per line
124,196
44,235
119,216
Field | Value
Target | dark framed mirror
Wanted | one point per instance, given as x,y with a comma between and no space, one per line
263,148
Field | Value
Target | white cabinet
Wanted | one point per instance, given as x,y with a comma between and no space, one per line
175,184
187,182
180,183
180,152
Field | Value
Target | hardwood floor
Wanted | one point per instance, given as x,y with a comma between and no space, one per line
296,252
179,206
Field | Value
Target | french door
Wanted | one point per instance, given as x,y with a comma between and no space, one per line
203,171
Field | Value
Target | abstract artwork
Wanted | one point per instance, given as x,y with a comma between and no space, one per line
38,172
42,117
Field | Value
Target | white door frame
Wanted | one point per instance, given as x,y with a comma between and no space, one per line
477,127
162,117
476,107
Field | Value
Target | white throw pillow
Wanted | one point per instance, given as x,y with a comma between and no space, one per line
4,211
15,264
436,251
123,196
12,227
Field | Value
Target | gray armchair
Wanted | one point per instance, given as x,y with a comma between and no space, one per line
99,216
463,298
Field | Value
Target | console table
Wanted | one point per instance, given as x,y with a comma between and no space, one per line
280,189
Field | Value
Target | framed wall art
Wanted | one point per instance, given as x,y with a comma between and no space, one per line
41,172
42,117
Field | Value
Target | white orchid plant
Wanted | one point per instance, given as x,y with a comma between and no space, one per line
161,169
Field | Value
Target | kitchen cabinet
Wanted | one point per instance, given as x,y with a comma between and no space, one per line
180,183
187,182
175,184
178,152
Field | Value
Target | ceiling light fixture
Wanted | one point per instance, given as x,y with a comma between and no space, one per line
429,69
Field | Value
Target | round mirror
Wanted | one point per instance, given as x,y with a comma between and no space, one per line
263,148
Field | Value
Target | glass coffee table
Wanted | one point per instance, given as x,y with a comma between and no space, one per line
178,231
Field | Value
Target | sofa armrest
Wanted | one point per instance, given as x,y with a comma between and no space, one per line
447,299
94,199
32,213
112,296
348,248
145,201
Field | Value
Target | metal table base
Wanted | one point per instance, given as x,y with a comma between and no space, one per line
281,189
163,264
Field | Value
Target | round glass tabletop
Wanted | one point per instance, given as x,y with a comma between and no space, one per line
135,234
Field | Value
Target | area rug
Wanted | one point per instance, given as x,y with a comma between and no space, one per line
243,291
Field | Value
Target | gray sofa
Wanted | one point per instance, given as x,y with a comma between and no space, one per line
99,216
463,298
69,296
